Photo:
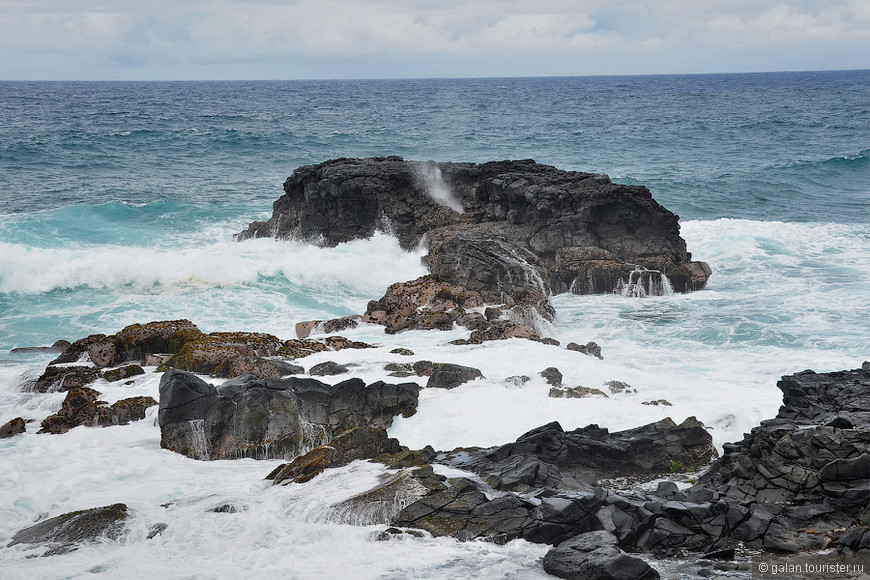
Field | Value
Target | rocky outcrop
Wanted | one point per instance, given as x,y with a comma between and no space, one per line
798,478
131,344
494,227
81,407
64,533
270,418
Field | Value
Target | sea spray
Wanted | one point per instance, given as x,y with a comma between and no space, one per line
431,181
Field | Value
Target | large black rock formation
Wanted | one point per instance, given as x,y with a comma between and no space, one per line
494,227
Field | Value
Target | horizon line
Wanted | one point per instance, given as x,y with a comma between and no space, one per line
358,79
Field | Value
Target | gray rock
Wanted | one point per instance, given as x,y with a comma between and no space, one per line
62,534
264,418
595,556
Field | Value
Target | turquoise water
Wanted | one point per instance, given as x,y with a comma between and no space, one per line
118,203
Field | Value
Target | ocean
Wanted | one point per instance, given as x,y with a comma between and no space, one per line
118,205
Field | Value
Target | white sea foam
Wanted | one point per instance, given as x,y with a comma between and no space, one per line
783,297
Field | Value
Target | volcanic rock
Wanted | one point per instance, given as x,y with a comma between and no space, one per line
492,227
270,418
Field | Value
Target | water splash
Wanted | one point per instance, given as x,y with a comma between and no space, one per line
198,440
429,177
642,283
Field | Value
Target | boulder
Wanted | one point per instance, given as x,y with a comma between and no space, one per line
258,417
58,346
450,376
595,556
230,354
64,533
13,428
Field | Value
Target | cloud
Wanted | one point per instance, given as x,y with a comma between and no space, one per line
323,38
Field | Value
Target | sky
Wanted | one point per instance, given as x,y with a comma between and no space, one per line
339,39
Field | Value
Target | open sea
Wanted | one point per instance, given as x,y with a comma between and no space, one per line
118,205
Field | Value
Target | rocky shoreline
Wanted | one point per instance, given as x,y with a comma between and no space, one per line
501,238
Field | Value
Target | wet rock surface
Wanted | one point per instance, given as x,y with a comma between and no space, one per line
64,533
258,417
81,407
12,428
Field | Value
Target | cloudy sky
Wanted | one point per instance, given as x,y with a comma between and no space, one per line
305,39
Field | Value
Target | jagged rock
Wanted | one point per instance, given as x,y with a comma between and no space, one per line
590,348
13,428
81,407
450,376
124,372
357,443
309,327
653,448
64,378
424,368
520,220
327,368
63,533
595,556
264,417
402,351
132,343
802,477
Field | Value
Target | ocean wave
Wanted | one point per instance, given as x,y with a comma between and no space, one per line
363,266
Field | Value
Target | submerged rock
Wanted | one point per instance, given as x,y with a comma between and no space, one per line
265,418
63,533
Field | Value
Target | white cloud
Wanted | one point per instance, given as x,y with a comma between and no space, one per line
244,38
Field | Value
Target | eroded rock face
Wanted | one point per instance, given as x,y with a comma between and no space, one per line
491,227
270,418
